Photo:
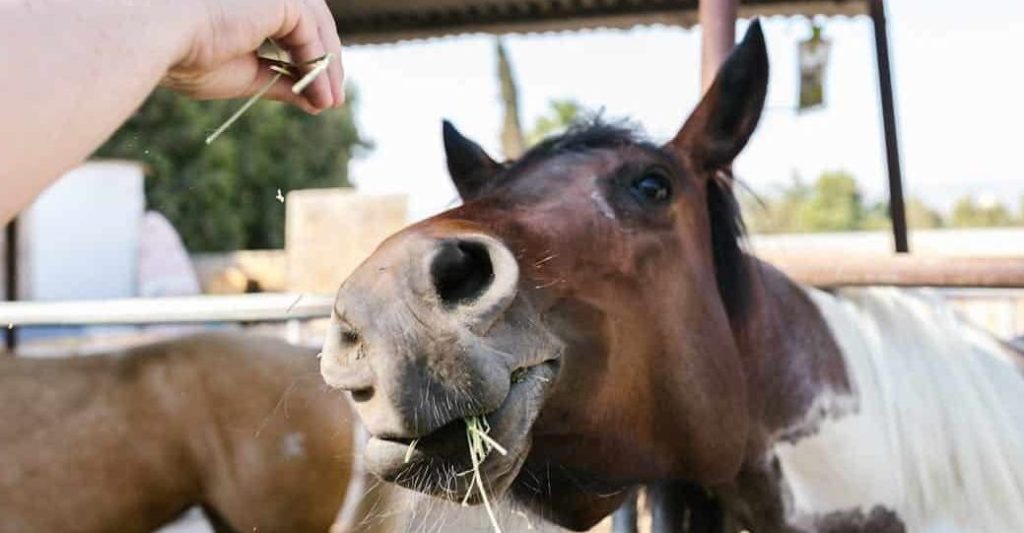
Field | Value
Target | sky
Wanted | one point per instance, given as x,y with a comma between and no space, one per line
957,70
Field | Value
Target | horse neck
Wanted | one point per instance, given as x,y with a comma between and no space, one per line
789,353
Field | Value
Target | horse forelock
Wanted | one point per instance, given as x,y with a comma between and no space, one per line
935,428
591,133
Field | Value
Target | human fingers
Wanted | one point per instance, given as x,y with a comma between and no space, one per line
281,90
329,36
243,77
300,36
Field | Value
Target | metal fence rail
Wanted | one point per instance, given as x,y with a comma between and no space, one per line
176,310
968,278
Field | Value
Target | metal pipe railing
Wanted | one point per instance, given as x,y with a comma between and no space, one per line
174,310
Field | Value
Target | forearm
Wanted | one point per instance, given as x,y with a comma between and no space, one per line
82,67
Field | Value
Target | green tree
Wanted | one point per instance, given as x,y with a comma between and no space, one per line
834,204
877,216
511,132
561,114
969,213
919,216
223,196
777,212
922,216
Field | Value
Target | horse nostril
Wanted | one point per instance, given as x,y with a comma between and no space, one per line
461,271
362,395
349,337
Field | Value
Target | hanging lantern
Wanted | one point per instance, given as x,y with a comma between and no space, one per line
813,58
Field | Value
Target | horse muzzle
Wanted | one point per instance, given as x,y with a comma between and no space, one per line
430,330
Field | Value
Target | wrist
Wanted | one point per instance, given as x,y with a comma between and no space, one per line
180,22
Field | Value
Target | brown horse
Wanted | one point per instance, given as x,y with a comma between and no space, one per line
242,426
593,300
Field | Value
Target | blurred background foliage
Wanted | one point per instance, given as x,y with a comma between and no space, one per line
834,202
560,114
224,196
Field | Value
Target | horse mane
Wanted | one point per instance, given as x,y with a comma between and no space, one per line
728,231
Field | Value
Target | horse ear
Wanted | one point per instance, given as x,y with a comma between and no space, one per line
728,113
469,165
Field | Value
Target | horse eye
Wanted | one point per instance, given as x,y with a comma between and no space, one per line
653,188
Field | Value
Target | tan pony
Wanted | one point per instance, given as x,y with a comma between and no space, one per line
241,426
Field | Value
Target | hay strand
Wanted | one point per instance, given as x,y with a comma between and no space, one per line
319,66
412,448
479,446
490,441
281,65
245,107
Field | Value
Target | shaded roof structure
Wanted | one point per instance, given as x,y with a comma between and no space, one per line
386,21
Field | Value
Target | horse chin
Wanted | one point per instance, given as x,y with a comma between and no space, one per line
439,464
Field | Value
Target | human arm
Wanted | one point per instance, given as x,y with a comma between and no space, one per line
76,69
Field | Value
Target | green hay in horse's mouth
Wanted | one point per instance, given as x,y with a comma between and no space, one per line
480,445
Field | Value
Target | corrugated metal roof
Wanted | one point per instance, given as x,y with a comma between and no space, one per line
382,21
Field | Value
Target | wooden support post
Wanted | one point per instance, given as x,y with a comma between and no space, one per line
892,153
717,20
10,279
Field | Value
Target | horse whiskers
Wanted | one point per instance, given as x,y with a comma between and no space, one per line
540,263
373,514
548,284
522,481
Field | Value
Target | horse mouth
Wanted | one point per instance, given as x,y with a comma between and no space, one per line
439,464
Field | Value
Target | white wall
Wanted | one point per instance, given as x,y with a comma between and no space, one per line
80,238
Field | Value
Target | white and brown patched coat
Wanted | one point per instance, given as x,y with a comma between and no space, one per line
929,435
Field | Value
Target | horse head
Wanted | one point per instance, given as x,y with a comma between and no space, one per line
582,300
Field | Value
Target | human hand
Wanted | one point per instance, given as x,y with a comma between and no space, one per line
220,60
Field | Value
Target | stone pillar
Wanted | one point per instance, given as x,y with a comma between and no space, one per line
329,232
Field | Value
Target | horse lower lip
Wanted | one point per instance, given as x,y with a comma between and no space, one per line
445,449
449,438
